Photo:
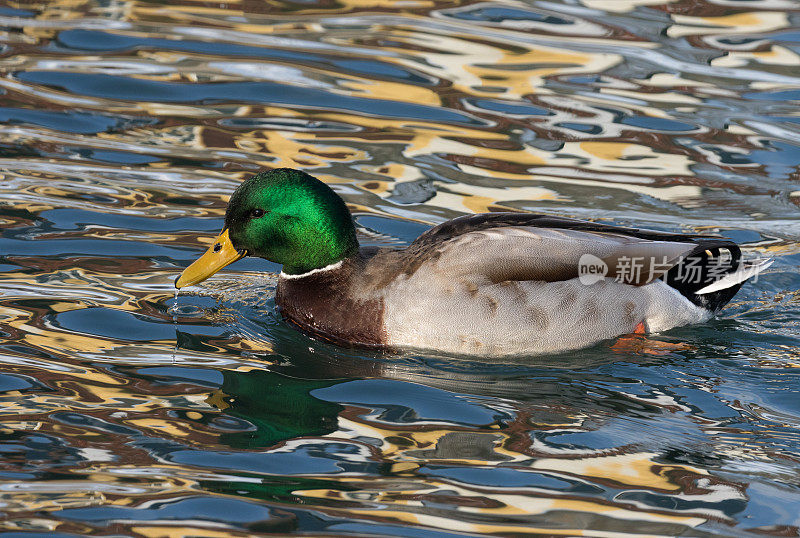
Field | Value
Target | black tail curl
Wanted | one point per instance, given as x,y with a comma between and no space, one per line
711,260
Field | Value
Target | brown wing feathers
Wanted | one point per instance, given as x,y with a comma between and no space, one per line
662,248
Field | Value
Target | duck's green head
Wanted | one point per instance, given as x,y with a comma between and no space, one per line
285,216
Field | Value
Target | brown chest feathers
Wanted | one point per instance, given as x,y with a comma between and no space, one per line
327,305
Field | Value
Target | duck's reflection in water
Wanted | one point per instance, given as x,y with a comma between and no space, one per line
401,436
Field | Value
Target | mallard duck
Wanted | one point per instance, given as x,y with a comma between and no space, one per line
491,284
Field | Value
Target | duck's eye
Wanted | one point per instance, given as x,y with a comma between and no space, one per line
256,213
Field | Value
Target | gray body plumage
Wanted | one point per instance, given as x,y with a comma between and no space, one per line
508,291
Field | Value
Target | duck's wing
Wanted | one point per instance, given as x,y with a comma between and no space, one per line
484,221
517,246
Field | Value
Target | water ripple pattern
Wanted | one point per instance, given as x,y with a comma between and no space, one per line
124,127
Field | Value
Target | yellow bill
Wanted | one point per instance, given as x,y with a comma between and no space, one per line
218,255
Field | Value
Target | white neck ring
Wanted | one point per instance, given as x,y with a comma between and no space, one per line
330,267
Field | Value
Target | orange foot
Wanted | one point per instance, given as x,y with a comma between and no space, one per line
637,342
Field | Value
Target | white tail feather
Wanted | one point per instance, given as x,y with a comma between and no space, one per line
744,272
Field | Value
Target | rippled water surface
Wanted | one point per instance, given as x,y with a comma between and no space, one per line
126,125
